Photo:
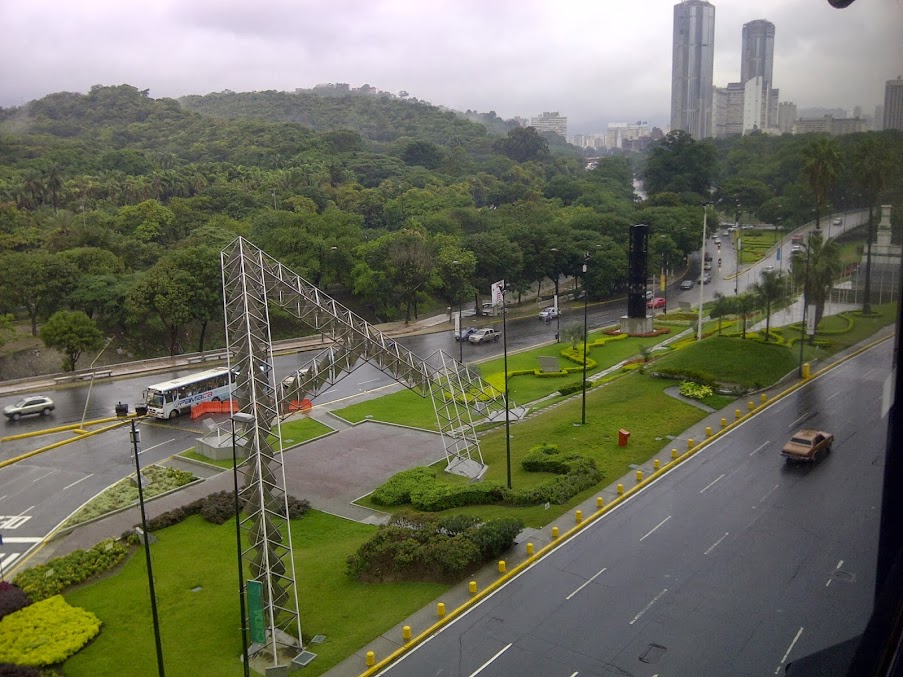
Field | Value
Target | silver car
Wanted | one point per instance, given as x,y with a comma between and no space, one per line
29,405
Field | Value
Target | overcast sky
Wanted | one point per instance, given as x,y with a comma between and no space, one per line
594,61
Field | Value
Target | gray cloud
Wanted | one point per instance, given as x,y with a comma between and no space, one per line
592,61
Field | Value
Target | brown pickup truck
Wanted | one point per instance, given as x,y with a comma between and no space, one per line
807,445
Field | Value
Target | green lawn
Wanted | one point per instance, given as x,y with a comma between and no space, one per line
733,360
200,629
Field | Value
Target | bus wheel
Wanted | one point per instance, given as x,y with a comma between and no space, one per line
174,413
215,399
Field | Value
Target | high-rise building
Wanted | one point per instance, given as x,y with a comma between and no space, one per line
551,122
893,104
757,60
786,116
728,110
692,64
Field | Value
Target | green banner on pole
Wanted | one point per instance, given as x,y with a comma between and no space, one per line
255,612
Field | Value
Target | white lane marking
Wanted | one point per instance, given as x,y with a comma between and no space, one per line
828,583
833,396
22,539
7,560
2,497
789,649
798,421
371,380
839,564
646,608
46,474
715,544
158,445
602,570
331,390
707,486
869,372
656,527
486,664
577,673
69,486
769,493
760,448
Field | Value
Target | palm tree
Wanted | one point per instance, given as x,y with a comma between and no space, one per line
816,271
874,166
770,291
821,163
724,305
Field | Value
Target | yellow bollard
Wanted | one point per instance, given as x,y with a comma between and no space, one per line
554,532
708,431
578,516
752,405
371,659
620,489
764,398
473,587
406,633
599,501
639,476
656,464
440,609
674,454
806,369
501,566
723,422
529,549
690,443
738,413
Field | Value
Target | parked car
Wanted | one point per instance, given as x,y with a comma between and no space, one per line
837,222
549,313
34,404
687,284
807,445
484,336
464,334
657,302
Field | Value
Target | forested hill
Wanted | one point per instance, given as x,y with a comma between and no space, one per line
377,118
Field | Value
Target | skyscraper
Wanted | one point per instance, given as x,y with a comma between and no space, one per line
692,63
893,104
757,60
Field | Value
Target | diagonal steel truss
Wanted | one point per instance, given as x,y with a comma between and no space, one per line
251,280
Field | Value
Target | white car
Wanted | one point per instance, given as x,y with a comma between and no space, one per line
549,313
837,222
29,405
484,336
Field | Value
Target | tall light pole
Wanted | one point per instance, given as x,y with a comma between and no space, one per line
460,328
738,250
705,214
557,309
805,306
244,419
135,436
585,337
81,426
505,352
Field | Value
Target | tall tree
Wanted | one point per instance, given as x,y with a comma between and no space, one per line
874,169
771,291
821,163
36,281
71,332
815,270
679,164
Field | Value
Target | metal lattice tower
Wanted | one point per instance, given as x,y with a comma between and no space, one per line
252,280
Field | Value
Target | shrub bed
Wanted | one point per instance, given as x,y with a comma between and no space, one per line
397,491
12,598
45,580
695,391
45,633
696,375
418,547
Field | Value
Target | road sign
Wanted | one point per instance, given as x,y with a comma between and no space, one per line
255,612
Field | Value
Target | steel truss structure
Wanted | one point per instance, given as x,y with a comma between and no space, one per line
251,281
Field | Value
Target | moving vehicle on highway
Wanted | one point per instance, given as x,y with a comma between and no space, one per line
807,445
705,278
464,333
657,302
169,399
484,336
35,404
686,284
549,313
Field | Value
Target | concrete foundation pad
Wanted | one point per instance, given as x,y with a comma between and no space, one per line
637,325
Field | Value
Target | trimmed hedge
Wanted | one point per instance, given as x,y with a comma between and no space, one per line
574,388
696,375
12,598
419,547
397,490
45,580
695,391
10,670
436,496
46,633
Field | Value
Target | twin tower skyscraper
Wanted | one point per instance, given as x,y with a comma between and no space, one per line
693,62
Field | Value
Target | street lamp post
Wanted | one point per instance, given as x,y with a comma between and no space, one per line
135,436
505,365
585,339
81,425
738,250
244,419
705,214
557,310
805,307
460,327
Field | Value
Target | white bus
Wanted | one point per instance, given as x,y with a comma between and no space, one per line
178,396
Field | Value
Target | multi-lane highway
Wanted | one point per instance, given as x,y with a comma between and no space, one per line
732,564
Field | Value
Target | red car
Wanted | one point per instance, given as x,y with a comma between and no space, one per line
657,302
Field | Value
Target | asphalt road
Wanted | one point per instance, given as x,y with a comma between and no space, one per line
733,564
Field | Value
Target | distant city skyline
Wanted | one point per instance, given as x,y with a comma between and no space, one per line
516,58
